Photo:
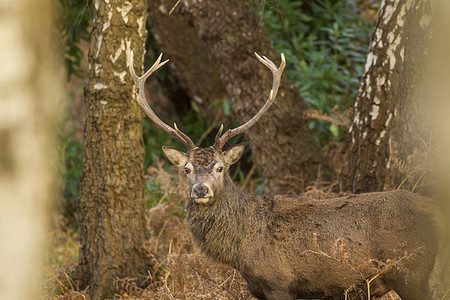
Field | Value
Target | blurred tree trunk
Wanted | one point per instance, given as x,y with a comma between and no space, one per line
111,212
281,142
441,123
189,61
390,133
29,87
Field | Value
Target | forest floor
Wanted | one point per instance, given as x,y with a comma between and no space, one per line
182,271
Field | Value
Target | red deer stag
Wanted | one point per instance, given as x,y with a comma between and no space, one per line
288,246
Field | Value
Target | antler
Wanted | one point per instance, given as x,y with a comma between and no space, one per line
277,72
143,103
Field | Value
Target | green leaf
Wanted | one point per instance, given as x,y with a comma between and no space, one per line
334,130
195,107
226,107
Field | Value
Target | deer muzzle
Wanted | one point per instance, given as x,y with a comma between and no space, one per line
201,193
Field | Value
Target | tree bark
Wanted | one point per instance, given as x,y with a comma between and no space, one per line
388,131
189,61
281,142
29,88
111,212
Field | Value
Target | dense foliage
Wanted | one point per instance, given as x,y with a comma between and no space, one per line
75,18
71,155
325,43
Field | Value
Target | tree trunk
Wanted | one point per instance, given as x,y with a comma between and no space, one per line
441,123
189,61
111,212
29,86
281,143
388,132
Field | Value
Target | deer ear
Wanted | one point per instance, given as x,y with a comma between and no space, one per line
176,157
232,155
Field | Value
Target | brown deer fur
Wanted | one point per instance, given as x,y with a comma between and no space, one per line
290,246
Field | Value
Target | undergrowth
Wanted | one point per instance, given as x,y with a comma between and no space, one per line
70,161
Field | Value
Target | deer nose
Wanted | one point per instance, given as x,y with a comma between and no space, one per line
200,191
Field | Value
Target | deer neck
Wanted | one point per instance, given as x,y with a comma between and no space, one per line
218,228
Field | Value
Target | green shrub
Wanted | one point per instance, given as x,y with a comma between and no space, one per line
75,18
325,43
70,163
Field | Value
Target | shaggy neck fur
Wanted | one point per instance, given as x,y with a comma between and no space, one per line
217,228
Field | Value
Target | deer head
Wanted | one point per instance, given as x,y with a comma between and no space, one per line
206,168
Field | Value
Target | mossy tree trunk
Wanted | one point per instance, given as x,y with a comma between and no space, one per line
111,212
389,132
281,142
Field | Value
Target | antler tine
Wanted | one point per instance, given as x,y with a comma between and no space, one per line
219,133
143,103
276,72
190,144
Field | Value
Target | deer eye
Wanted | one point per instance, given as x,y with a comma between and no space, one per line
219,169
187,170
